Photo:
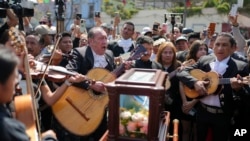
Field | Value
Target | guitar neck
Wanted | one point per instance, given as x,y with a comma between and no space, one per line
172,74
119,70
136,53
245,80
30,90
224,81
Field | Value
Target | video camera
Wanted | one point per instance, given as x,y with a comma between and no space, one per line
22,8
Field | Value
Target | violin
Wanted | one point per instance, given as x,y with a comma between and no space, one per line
45,57
53,73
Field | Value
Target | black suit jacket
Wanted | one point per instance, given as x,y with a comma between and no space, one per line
117,50
227,94
12,129
182,55
83,61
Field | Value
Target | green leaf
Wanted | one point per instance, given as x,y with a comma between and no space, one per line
46,1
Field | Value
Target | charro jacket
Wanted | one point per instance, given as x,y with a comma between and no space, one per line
227,94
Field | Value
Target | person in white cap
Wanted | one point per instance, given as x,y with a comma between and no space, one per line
181,44
147,31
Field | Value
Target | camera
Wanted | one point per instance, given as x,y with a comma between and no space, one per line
3,6
173,19
28,8
22,8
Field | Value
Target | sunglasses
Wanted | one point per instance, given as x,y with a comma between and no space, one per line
42,22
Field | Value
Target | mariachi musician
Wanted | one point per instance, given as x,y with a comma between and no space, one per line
10,128
215,110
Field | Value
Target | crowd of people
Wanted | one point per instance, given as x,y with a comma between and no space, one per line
203,117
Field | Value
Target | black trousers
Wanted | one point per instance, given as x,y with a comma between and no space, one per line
219,123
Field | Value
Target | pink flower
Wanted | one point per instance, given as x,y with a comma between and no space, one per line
142,123
121,129
131,126
144,129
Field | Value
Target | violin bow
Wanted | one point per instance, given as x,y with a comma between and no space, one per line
49,62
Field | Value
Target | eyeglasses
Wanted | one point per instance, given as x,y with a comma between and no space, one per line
42,22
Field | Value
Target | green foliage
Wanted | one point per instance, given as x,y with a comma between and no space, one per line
226,5
210,3
126,12
247,2
177,10
190,11
223,8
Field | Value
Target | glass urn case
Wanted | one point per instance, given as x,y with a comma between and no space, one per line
136,101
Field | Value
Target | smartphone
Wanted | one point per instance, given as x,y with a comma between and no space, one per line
211,28
83,26
97,14
78,16
234,10
155,27
204,33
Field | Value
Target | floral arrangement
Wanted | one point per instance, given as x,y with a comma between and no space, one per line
133,123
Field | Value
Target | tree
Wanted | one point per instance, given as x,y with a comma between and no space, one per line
125,8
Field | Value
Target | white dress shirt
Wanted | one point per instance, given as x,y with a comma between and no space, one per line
220,67
99,61
125,44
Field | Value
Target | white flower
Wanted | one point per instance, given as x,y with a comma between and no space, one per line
137,117
125,115
159,41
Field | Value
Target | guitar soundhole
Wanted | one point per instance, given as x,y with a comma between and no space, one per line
96,93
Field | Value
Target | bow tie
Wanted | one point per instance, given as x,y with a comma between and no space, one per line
100,61
219,67
125,44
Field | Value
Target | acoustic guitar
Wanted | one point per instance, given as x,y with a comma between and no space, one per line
81,111
215,82
25,105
